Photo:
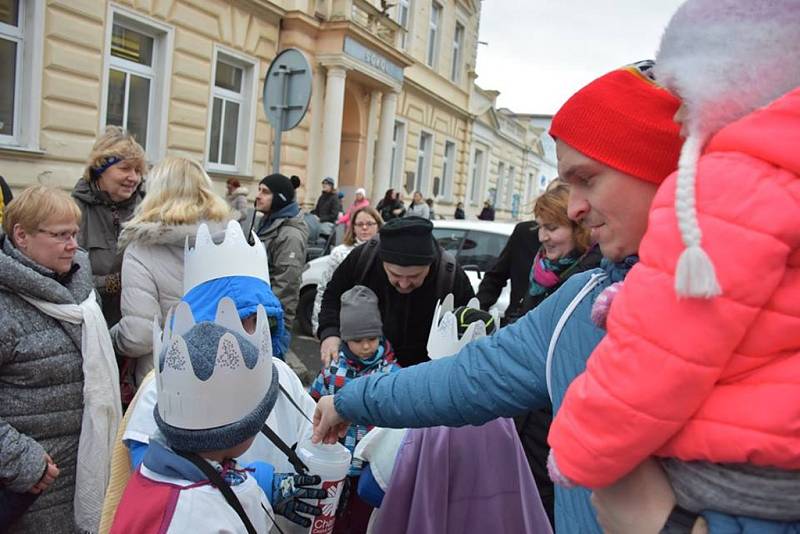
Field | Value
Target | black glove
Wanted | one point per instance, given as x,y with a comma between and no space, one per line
288,489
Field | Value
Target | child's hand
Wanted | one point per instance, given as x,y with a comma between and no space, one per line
288,489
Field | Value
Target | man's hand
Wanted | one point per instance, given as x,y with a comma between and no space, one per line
328,424
329,350
639,503
49,476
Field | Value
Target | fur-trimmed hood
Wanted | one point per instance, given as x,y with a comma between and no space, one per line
158,233
240,191
726,58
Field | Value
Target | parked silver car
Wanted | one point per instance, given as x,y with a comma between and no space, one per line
476,245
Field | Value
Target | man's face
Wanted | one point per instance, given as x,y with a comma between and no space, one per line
611,204
406,278
263,198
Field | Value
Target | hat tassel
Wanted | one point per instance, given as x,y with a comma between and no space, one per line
695,275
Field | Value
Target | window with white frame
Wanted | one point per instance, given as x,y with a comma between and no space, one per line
458,45
510,185
398,154
433,34
477,176
530,191
448,165
21,31
230,126
498,195
423,163
137,79
403,19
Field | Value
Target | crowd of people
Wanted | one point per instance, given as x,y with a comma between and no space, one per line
644,377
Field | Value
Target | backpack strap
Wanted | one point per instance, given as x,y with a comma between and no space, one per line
562,321
446,275
216,479
366,259
298,465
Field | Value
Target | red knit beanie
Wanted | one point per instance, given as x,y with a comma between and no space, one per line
624,120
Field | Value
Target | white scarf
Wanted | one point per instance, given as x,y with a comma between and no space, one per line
102,408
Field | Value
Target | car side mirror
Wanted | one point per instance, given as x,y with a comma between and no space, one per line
473,267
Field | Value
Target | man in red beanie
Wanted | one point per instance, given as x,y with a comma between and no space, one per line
616,143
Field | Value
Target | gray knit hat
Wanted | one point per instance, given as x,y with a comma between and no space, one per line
359,316
216,359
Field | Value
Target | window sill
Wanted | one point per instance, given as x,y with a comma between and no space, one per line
21,150
227,172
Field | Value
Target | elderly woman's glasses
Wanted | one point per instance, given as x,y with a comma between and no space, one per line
62,237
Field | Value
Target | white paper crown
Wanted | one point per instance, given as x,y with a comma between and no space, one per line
443,339
233,257
232,392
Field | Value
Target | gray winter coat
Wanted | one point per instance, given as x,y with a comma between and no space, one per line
237,200
41,386
101,223
152,282
285,240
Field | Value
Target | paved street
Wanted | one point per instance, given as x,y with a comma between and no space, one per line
303,357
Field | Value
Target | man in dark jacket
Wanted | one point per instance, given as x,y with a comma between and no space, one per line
328,204
514,263
409,274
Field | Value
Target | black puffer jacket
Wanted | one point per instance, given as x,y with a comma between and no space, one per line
101,223
328,207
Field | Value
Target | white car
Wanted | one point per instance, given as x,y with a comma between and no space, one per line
476,245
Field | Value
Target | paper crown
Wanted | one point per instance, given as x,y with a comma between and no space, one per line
233,257
443,339
231,392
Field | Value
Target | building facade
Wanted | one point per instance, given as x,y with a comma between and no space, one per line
393,98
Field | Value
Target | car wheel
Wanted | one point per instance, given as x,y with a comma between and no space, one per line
305,308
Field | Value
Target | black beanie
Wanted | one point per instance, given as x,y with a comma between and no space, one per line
282,189
407,241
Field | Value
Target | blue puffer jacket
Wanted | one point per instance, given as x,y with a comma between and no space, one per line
502,375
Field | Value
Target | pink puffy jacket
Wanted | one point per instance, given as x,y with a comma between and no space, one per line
696,379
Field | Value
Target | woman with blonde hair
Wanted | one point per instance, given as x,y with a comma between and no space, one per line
179,198
55,434
108,193
366,223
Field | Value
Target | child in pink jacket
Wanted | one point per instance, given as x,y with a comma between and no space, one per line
701,364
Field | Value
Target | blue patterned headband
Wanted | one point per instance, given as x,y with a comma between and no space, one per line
108,162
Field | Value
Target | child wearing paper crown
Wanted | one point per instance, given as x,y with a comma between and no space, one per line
701,363
363,351
191,482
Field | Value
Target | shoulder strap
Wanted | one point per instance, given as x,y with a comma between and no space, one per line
366,259
446,276
562,321
299,467
225,488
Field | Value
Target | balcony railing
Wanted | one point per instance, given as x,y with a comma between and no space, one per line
369,16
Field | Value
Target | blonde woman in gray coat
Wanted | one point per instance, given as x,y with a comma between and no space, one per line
179,198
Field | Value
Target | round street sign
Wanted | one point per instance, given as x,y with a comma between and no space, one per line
287,89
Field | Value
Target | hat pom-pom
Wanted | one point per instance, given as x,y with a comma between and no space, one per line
295,180
695,275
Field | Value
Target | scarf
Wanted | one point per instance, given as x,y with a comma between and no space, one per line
102,407
546,274
287,212
616,272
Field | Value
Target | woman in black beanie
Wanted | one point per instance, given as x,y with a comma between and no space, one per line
284,234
